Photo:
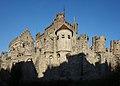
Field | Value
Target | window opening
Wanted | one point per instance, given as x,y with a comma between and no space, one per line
57,37
68,36
63,36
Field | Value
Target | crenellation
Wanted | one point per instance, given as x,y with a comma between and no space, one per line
4,56
115,47
83,43
98,44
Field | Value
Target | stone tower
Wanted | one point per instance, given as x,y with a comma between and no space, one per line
83,43
115,46
64,41
98,44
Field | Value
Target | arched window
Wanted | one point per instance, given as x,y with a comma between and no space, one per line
50,56
68,55
29,59
58,55
58,58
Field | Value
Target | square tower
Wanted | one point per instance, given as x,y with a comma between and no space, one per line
115,47
98,44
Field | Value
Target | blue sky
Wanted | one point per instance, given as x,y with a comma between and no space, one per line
95,17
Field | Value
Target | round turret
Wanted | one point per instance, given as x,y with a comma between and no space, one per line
64,39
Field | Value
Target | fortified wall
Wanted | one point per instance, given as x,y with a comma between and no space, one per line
56,45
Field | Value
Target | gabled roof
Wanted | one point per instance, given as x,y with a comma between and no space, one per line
17,38
63,27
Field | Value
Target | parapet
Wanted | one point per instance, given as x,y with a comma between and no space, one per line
83,37
98,43
102,37
60,15
4,55
115,46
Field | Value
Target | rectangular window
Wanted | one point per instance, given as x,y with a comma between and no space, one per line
23,45
68,36
13,49
57,37
44,40
63,36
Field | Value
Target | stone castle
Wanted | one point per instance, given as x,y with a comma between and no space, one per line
59,40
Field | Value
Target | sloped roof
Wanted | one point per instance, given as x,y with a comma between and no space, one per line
63,27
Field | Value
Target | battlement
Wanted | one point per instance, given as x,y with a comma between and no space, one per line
102,37
116,41
83,45
83,37
98,43
115,46
4,55
60,15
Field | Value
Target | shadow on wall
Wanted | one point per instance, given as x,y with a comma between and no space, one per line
77,71
78,68
21,72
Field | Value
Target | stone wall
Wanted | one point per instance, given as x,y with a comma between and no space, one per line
115,46
59,42
98,44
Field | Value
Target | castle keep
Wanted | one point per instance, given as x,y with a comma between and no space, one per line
59,41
